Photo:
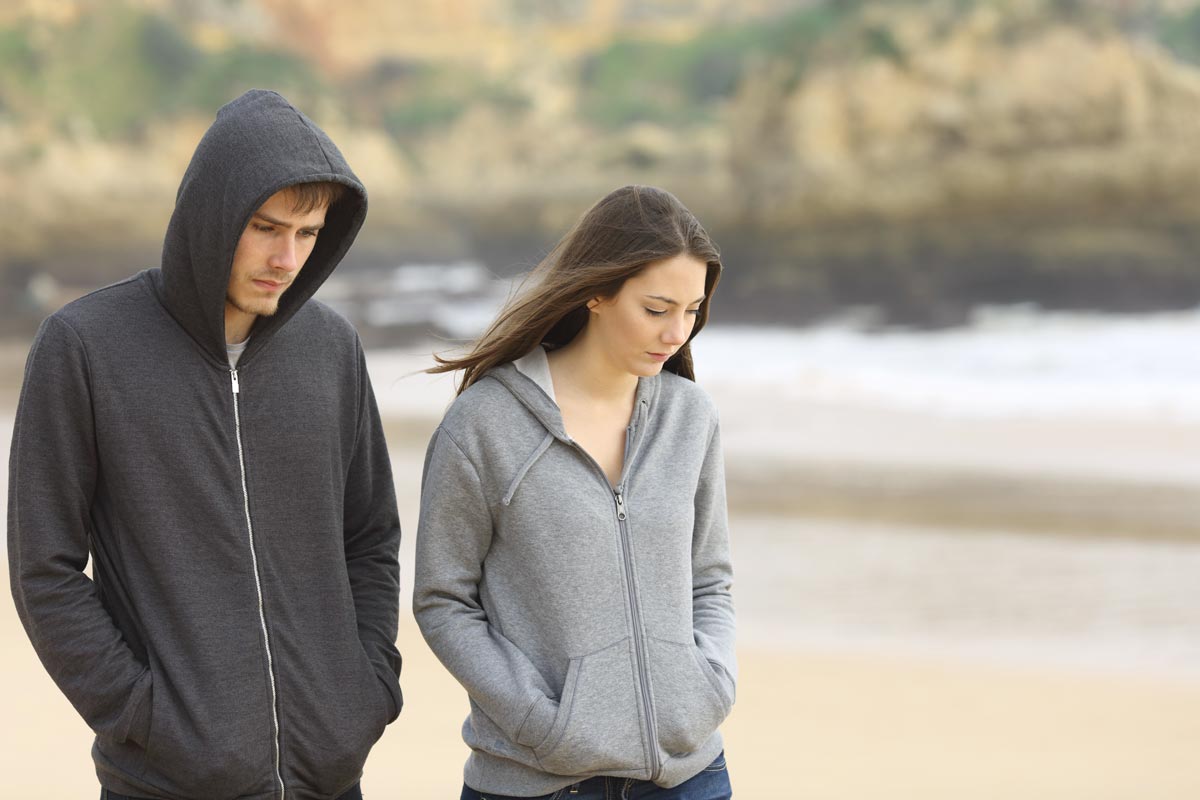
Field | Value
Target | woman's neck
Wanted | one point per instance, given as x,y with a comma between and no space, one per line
581,369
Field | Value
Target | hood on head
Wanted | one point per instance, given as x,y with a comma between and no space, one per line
258,145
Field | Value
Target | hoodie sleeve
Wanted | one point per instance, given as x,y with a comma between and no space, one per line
712,571
453,536
371,532
52,475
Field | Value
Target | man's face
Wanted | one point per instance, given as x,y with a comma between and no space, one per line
272,249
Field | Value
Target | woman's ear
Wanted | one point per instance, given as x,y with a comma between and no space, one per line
591,304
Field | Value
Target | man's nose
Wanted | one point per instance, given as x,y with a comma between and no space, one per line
283,255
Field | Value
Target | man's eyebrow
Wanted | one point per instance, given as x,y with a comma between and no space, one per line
283,224
671,302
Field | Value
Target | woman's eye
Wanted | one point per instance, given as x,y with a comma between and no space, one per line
695,312
655,313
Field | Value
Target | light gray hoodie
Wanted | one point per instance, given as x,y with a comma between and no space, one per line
591,625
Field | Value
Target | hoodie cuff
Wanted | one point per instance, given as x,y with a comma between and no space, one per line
538,722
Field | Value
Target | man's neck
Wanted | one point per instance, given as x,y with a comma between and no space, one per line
237,325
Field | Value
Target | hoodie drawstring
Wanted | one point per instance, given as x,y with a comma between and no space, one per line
541,448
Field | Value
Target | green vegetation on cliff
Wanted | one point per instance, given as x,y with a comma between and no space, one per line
639,80
118,69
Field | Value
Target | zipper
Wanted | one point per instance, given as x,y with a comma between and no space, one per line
639,644
262,613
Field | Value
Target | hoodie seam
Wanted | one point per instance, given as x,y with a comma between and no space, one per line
712,434
15,458
358,398
82,345
87,366
466,458
308,126
99,290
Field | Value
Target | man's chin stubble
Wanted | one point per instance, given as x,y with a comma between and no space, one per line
267,312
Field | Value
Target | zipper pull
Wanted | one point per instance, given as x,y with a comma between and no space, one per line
620,504
236,388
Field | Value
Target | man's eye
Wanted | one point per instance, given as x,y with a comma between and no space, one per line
263,228
311,234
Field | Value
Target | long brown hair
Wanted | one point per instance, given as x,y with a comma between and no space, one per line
629,229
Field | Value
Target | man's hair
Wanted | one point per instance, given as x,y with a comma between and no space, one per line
308,197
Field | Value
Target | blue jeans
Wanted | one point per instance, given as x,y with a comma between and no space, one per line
711,783
353,793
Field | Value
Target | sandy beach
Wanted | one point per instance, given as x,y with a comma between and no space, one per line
930,607
806,725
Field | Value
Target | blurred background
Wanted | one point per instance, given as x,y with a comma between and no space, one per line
955,346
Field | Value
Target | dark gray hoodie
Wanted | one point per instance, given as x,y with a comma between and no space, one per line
591,625
237,640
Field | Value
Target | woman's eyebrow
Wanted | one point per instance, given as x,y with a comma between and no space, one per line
671,302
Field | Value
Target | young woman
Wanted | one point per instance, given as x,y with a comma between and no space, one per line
572,553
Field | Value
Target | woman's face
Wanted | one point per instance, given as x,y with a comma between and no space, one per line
651,317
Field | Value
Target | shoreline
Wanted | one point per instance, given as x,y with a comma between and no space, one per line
968,497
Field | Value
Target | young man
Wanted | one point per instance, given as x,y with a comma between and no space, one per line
208,433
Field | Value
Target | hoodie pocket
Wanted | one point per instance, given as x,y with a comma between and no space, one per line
597,728
199,749
333,722
689,700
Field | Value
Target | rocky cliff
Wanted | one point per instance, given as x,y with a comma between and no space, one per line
923,157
